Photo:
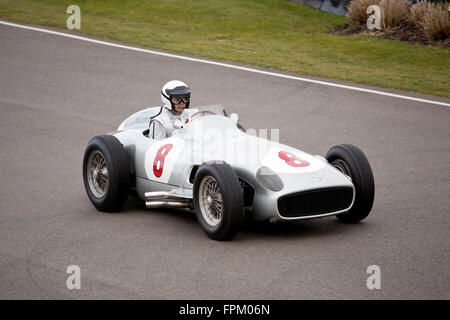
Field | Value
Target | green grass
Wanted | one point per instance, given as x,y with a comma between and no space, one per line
275,34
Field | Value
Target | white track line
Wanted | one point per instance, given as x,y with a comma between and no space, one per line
224,64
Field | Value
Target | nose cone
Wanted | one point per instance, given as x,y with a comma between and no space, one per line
326,177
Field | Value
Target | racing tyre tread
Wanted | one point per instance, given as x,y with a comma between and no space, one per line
118,171
362,179
233,203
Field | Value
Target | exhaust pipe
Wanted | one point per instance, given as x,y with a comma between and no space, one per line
163,195
166,200
167,204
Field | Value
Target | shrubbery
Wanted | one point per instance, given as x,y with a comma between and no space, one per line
356,11
432,19
394,13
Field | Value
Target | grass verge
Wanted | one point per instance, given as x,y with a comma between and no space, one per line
275,34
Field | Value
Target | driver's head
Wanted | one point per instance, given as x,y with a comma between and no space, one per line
175,96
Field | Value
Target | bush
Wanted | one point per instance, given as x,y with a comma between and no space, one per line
357,11
431,18
394,13
436,22
417,13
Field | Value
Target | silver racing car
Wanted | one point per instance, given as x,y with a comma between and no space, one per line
211,165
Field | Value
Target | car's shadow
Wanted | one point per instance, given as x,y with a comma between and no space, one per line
306,228
252,229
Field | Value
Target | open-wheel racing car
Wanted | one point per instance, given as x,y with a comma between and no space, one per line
211,165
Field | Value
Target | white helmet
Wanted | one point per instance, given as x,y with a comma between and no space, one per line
175,88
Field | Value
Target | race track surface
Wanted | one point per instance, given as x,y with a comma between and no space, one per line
57,93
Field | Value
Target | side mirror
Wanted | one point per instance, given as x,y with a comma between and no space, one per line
235,118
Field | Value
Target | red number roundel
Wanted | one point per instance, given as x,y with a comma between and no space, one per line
158,164
292,160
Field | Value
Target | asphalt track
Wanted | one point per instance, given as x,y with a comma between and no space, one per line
56,93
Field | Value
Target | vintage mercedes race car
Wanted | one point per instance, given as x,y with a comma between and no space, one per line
211,165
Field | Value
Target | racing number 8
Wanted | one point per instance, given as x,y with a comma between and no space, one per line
158,164
292,160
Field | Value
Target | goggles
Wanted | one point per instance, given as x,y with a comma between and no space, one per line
178,99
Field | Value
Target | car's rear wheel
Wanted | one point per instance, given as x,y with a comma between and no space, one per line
218,200
351,161
106,173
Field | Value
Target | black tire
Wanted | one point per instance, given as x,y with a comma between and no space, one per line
232,216
352,161
118,169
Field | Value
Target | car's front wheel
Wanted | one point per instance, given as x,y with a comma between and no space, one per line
351,161
218,200
106,173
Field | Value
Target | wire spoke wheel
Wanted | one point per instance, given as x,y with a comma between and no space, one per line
218,200
342,166
106,173
97,174
211,201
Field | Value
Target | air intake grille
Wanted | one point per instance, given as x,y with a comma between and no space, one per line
315,202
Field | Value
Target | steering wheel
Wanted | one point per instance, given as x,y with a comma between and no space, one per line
204,112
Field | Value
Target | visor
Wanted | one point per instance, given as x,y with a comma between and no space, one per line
179,91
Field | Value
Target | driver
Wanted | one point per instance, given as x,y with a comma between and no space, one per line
175,96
